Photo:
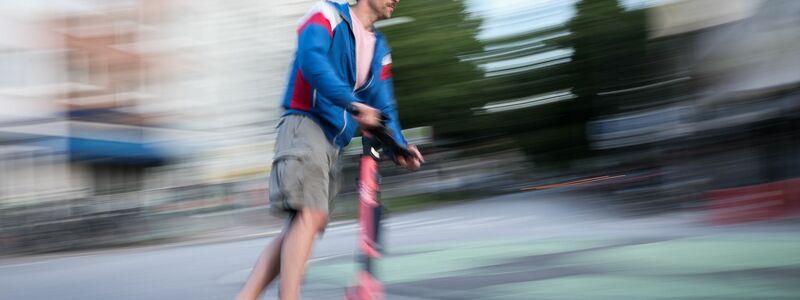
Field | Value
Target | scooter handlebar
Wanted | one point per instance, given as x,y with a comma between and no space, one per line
383,135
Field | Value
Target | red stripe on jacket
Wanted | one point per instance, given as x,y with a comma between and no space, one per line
318,19
386,72
301,94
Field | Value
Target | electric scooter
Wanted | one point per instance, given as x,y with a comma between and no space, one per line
374,141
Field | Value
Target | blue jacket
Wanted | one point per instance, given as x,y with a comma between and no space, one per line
323,75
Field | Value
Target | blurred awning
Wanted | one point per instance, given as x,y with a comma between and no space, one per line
641,127
97,141
114,152
725,116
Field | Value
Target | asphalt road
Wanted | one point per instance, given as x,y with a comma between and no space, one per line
537,245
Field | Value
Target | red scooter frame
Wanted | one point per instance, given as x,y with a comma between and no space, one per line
370,211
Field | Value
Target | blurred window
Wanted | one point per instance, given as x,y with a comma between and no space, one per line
115,179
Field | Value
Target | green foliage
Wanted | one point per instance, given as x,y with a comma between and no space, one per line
438,79
609,46
432,85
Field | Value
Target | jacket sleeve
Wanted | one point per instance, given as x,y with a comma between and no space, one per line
312,54
384,101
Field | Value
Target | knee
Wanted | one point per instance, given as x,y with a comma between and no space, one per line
314,219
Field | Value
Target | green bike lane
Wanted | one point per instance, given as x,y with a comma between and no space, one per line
723,266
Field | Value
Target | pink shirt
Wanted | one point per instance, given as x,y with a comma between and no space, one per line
365,50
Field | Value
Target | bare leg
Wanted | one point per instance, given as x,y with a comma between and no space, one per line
297,248
265,271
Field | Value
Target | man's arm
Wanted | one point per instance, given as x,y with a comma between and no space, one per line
385,102
314,41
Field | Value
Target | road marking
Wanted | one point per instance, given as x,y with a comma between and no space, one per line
240,276
485,222
432,222
392,224
459,222
261,234
395,223
328,257
33,263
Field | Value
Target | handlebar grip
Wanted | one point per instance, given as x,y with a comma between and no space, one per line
385,138
383,134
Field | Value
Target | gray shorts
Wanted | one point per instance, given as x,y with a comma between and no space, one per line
305,169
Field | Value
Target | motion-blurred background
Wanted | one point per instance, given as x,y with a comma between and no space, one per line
119,114
133,121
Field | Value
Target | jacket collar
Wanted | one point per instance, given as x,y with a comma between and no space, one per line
344,11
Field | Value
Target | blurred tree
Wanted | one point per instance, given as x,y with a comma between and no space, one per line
547,132
433,85
609,48
441,74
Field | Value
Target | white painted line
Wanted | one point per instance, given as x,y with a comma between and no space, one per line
227,212
486,221
514,220
33,263
391,223
328,257
433,222
261,234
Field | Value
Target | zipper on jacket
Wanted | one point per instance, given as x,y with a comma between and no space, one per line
355,67
366,86
353,38
371,77
344,117
375,59
314,98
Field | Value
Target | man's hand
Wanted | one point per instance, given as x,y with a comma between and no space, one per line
412,163
367,117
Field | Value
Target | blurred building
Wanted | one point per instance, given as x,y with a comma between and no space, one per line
724,111
33,156
112,135
749,95
123,107
237,56
77,155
